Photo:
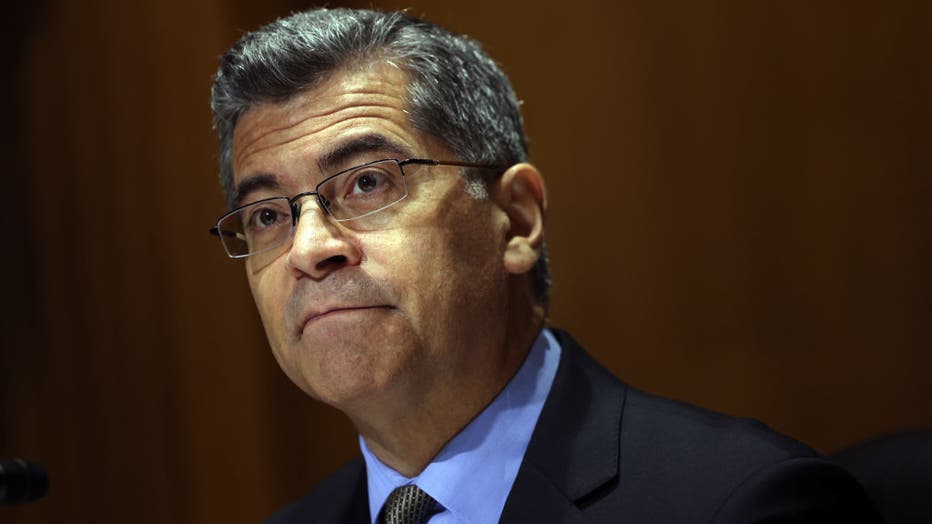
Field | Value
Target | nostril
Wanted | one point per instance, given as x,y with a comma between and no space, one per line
334,261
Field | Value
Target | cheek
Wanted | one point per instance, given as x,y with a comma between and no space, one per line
441,268
269,295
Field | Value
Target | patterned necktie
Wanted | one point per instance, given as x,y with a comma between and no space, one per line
408,505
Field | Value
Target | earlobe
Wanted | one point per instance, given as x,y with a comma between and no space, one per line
522,195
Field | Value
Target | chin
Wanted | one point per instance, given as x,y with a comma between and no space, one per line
347,359
346,375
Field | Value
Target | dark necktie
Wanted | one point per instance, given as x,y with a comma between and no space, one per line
408,505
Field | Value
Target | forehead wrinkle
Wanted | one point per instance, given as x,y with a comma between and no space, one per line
343,100
329,119
299,103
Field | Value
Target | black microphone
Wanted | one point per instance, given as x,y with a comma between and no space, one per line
22,481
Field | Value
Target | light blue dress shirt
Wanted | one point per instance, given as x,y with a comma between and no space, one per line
472,475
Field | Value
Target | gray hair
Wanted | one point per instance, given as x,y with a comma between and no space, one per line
456,92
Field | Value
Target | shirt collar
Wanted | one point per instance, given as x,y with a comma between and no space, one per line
472,475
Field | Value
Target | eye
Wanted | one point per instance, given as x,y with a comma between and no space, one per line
362,190
265,217
367,182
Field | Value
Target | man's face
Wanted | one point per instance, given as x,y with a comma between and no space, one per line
404,305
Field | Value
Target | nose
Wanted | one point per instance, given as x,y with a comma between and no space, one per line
320,245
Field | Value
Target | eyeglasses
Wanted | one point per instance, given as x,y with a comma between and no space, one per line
352,194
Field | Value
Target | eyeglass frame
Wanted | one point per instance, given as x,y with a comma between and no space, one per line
295,201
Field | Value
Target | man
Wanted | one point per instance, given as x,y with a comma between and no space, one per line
392,232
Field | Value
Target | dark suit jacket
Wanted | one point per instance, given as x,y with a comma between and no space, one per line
606,452
896,472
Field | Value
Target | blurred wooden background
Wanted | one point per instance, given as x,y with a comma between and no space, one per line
739,218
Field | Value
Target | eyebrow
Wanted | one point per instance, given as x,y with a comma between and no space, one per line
251,184
327,163
338,157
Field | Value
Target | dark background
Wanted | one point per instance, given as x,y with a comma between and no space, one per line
739,218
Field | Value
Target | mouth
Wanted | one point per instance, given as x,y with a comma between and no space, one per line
334,313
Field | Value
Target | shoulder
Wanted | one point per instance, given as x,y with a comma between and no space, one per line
677,462
719,468
341,497
670,428
689,437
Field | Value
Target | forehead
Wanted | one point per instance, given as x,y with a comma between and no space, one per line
352,103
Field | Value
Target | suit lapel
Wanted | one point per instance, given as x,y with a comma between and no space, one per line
574,449
357,511
341,499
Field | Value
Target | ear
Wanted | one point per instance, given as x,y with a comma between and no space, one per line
522,196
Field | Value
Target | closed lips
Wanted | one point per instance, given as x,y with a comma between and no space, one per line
319,314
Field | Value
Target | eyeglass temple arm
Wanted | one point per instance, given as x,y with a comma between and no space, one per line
217,232
429,162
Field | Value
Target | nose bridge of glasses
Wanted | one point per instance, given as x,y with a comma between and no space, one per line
310,221
298,208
